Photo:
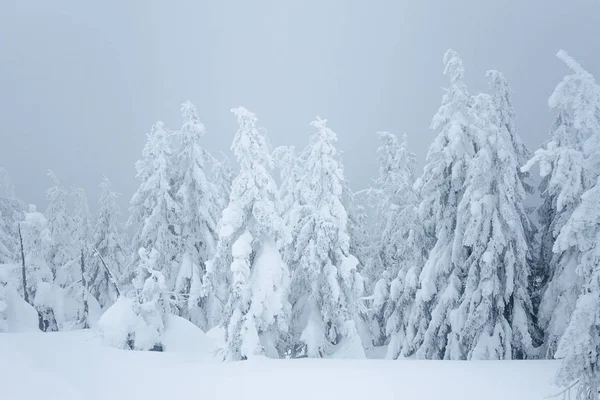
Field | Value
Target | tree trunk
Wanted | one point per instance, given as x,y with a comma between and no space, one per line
25,293
84,318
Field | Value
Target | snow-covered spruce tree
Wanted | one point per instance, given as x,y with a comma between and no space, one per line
109,241
214,292
199,205
221,174
11,212
257,311
154,210
36,244
60,225
151,302
79,289
287,163
567,165
579,347
442,188
493,319
327,285
400,244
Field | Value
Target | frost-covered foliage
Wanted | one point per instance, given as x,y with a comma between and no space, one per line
400,244
60,227
326,283
81,235
3,302
391,193
579,346
138,323
154,210
11,212
251,233
290,170
40,282
200,204
442,189
569,166
493,319
15,314
109,241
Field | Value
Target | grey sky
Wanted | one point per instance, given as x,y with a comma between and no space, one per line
82,82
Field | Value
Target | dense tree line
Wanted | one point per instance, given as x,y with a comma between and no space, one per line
280,254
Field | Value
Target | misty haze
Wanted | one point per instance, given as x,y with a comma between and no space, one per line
206,199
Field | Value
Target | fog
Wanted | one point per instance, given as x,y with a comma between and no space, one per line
82,82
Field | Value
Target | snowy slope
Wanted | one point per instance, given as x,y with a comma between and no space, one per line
75,365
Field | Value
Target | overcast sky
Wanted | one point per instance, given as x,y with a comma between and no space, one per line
82,82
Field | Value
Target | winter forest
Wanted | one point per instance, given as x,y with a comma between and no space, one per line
269,251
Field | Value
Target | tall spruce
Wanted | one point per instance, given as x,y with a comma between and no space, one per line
327,285
251,234
568,167
442,188
110,247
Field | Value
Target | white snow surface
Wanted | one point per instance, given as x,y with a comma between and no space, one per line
76,365
21,317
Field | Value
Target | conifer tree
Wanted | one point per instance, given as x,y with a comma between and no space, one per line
36,242
11,212
60,226
199,206
493,319
326,282
79,290
579,347
154,211
442,188
109,241
251,234
568,167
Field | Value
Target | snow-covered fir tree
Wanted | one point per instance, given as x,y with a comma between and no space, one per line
442,188
398,250
392,191
110,243
79,265
252,231
493,319
154,210
287,163
327,285
11,212
214,291
151,303
579,346
62,252
40,283
568,165
199,205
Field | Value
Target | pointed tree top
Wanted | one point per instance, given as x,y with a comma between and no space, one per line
454,66
7,189
191,122
245,118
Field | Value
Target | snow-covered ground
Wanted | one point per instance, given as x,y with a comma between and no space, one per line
76,365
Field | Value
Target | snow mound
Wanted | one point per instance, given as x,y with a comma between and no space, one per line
117,322
120,323
20,316
94,311
182,336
